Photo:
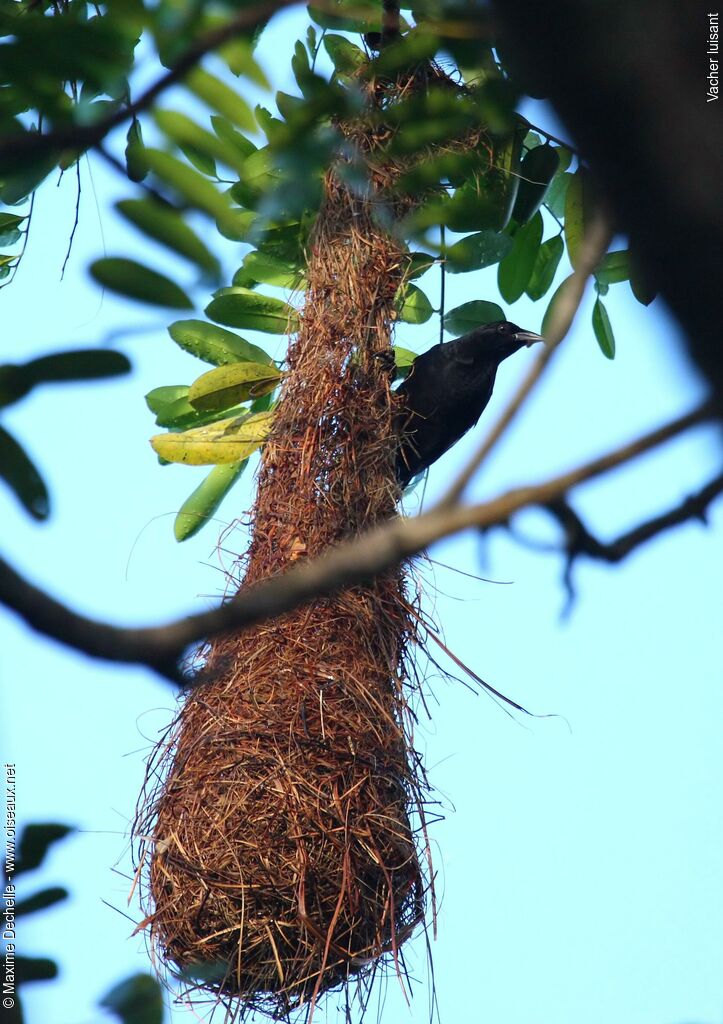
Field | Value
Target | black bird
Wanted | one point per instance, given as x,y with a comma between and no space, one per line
447,391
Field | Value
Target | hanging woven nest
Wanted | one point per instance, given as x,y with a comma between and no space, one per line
284,851
284,859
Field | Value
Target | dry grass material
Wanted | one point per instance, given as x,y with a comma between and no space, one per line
284,860
283,846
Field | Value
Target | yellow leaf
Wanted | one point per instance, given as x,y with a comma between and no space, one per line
228,385
229,440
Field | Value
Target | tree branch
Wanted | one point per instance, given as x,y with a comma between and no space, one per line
351,563
83,137
579,541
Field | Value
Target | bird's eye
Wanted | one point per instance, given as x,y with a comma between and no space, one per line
501,329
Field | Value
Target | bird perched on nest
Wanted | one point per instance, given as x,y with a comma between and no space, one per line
447,390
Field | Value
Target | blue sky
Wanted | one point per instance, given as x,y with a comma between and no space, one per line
579,860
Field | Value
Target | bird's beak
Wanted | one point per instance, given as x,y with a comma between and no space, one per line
528,337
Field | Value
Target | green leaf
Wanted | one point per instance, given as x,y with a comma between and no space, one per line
286,242
227,386
41,900
549,312
546,264
260,174
137,1000
240,307
221,98
199,159
473,314
190,136
48,51
537,170
172,408
18,184
82,364
557,194
565,158
437,119
483,249
311,39
503,180
348,16
263,404
403,359
419,263
238,225
300,65
200,507
256,33
614,267
78,364
136,163
515,270
34,968
603,330
532,140
243,279
228,440
238,55
227,133
35,841
267,269
214,344
179,414
14,384
168,227
640,284
344,55
413,306
196,189
133,280
576,213
289,106
22,477
9,228
414,46
273,128
468,209
159,399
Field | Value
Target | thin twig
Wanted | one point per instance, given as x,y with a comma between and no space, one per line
76,220
566,306
442,284
552,138
580,542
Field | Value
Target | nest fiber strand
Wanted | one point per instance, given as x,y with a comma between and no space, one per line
284,857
